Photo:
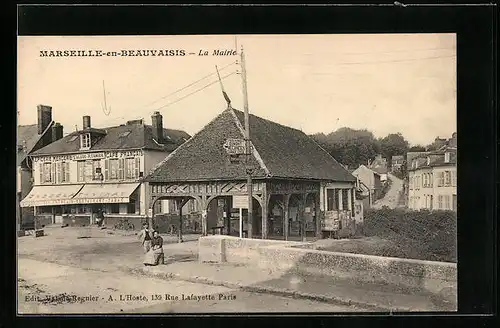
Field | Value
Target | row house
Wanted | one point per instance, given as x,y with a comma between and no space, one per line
99,169
433,181
370,181
30,138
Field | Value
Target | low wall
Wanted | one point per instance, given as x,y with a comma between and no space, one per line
430,276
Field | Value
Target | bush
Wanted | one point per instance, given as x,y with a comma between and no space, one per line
423,235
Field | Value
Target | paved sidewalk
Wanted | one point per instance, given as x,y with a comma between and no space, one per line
369,297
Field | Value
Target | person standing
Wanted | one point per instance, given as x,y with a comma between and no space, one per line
145,237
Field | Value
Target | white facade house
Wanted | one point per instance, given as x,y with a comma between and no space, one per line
99,169
433,181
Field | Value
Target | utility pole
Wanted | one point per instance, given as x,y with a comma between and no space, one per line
247,146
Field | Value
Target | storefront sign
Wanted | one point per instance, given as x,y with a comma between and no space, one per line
89,156
240,201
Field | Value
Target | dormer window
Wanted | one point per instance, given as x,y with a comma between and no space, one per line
446,157
85,141
428,161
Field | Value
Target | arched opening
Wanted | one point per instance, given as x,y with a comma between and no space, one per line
224,218
177,215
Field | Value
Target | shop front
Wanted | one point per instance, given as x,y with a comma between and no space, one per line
77,205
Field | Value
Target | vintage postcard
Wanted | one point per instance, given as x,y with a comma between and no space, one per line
236,173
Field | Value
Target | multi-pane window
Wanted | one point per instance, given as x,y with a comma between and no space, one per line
447,178
454,179
331,200
47,173
85,141
441,179
62,172
447,205
440,202
132,168
114,169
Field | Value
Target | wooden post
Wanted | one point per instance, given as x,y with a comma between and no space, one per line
182,202
302,207
247,145
286,202
317,215
265,210
204,215
241,222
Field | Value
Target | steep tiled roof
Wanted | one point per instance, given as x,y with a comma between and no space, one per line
280,152
139,136
27,138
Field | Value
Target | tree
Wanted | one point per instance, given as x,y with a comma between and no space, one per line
417,148
393,144
349,146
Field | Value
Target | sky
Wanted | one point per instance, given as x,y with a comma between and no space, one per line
386,83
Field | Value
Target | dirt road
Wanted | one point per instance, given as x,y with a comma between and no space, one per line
54,288
391,198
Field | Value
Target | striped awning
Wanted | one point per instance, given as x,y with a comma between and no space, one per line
51,195
105,193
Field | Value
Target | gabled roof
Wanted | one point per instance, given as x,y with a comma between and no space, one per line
279,152
364,167
27,138
132,136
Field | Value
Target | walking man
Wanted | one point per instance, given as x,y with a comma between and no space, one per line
145,237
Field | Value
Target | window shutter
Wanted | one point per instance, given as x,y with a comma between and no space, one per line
53,173
66,171
137,166
120,168
106,169
59,169
40,165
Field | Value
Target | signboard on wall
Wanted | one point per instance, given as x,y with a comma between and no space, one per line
89,156
240,201
331,222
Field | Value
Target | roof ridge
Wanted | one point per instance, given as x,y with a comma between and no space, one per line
323,149
267,120
159,164
255,152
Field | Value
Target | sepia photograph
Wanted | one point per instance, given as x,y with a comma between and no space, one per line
248,173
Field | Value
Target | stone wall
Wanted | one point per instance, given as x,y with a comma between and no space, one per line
286,256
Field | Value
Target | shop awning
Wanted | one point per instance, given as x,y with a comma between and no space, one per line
102,193
51,195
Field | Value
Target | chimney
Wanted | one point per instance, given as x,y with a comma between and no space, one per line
57,132
157,123
86,122
44,117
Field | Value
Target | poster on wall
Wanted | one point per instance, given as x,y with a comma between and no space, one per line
331,221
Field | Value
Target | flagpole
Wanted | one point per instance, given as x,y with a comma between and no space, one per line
247,146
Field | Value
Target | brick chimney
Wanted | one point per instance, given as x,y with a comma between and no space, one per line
86,122
57,132
44,117
157,123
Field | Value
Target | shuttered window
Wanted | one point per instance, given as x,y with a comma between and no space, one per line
59,172
80,167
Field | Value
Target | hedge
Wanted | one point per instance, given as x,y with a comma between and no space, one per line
424,235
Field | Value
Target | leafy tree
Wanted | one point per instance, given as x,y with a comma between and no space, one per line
393,144
349,146
417,148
